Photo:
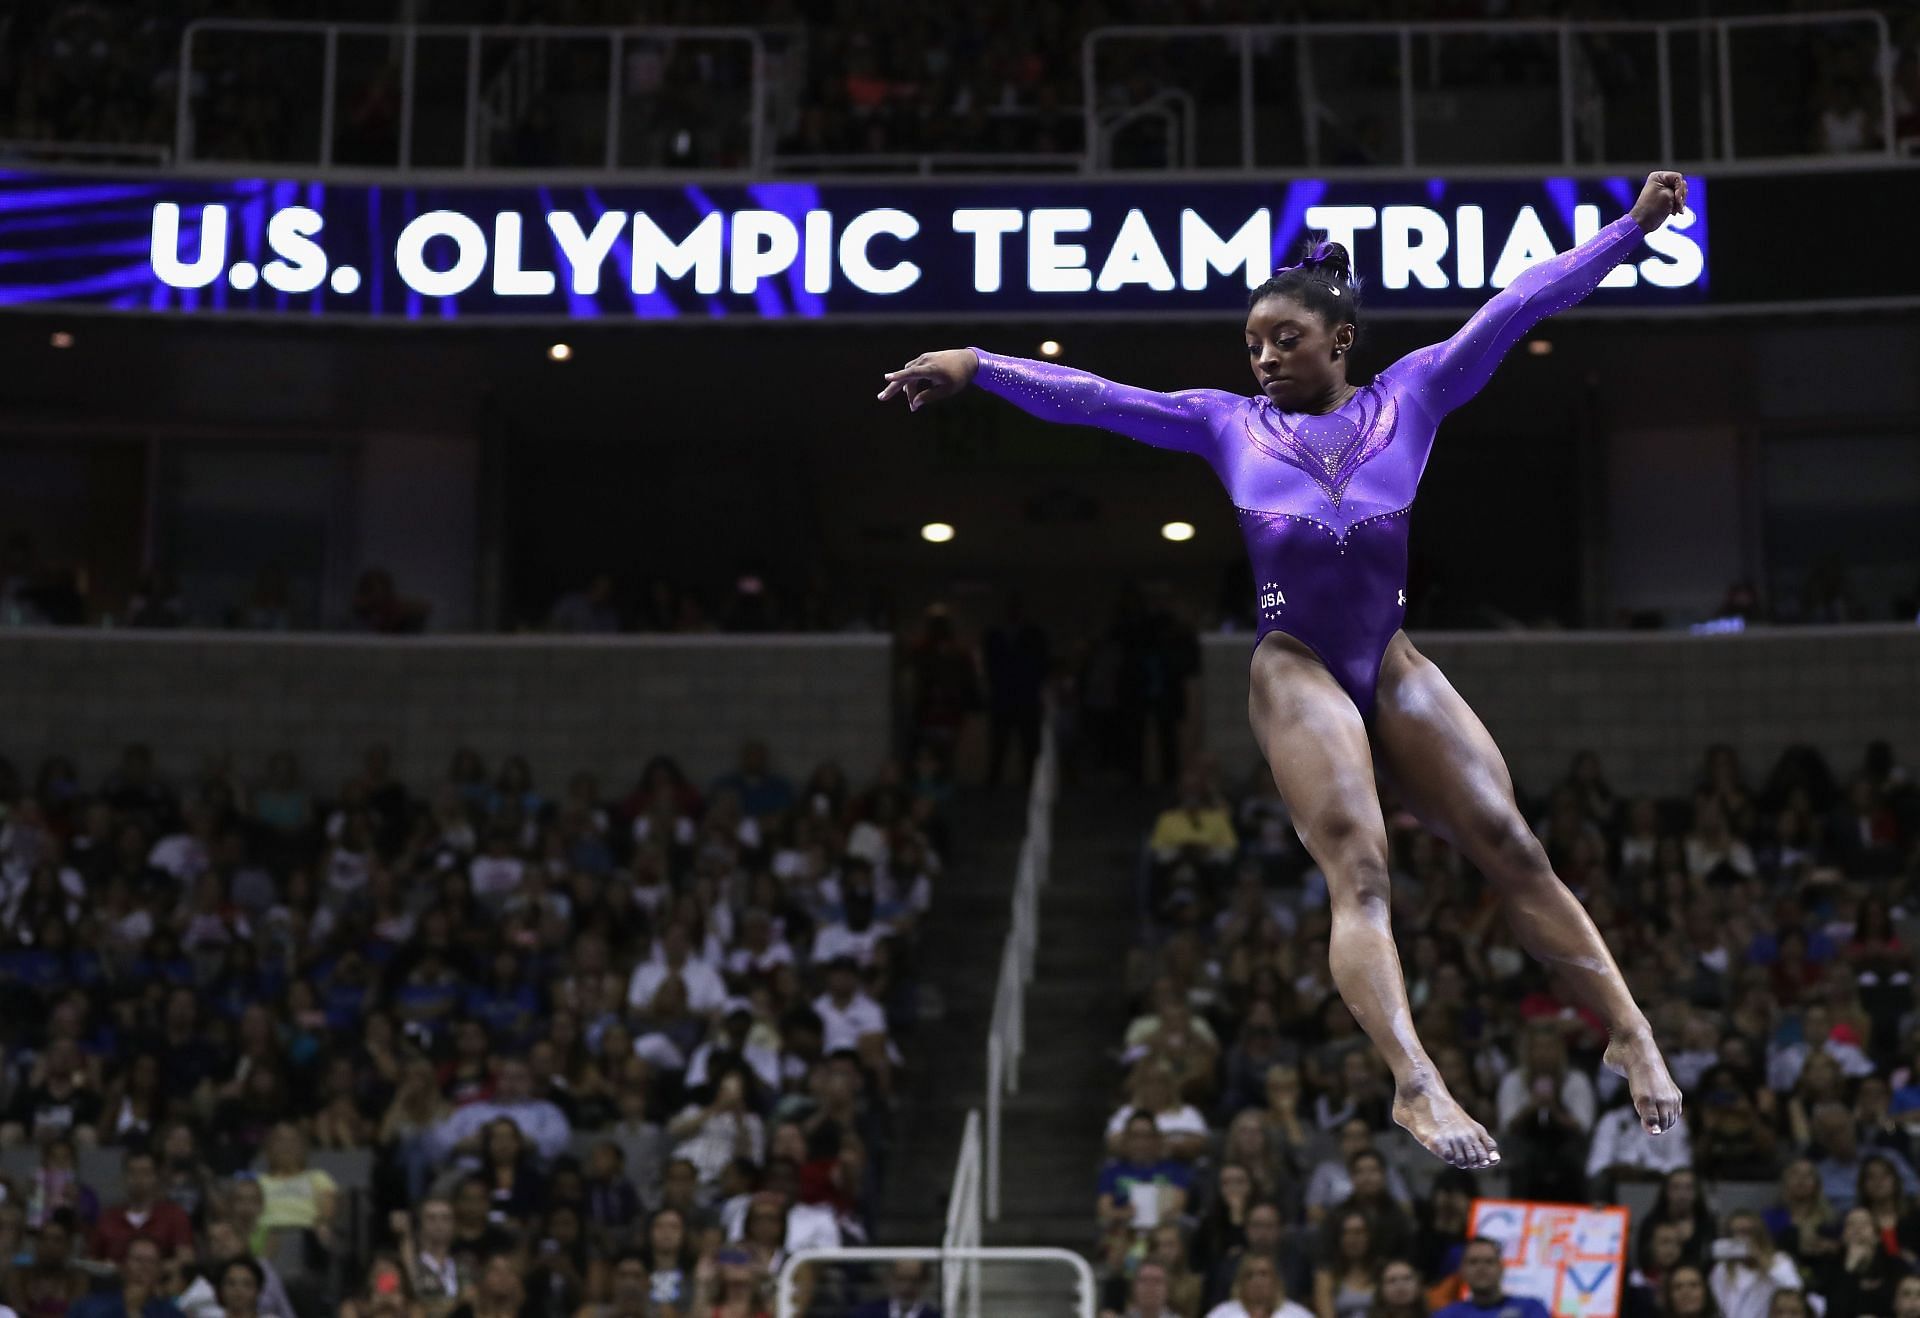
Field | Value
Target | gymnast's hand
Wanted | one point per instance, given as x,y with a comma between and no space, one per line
932,376
1664,196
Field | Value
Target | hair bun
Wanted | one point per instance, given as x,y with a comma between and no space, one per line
1329,258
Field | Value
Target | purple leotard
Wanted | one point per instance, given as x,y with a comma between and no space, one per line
1323,499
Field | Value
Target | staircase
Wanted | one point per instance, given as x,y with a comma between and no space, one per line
1053,1129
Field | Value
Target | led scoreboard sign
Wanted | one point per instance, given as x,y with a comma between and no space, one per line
799,250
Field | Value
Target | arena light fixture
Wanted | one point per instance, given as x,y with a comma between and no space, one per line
1177,531
560,352
936,533
1049,347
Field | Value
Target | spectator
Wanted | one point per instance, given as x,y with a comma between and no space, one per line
1347,1280
544,1125
1483,1269
426,1256
1684,1294
1748,1270
1146,1297
1622,1151
297,1197
906,1284
1861,1278
1143,1186
1841,1165
144,1215
140,1294
499,1294
1257,1294
1183,1129
1400,1293
1680,1205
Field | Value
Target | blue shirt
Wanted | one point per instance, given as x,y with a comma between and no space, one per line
1508,1306
1118,1177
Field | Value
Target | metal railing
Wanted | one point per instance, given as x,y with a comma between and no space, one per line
509,90
1712,36
1087,1293
963,1217
1006,1037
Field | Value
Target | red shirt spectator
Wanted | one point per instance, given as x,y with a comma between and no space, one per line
144,1216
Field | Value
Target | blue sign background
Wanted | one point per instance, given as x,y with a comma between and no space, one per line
86,240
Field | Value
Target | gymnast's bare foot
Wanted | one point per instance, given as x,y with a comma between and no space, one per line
1655,1097
1426,1111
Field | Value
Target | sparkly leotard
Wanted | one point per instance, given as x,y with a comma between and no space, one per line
1323,499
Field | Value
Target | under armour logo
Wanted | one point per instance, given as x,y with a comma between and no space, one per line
1403,599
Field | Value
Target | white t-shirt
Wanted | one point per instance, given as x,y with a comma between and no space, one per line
1235,1309
705,989
836,940
494,877
843,1027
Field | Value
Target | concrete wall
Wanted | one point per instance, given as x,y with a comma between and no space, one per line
602,704
1649,703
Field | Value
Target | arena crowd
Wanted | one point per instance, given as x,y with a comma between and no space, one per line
1767,926
483,1046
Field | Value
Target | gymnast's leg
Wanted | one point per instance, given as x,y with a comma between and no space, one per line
1316,745
1434,747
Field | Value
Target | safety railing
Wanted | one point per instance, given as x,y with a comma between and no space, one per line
476,82
964,1216
1334,74
1006,1036
786,1303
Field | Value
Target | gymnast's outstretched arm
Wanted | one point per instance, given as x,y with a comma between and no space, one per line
1052,392
1442,376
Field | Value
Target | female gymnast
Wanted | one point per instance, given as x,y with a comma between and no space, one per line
1322,475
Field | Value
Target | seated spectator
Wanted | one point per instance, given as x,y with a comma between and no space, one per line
1155,1093
140,1293
540,1121
1347,1278
387,1293
1680,1204
1817,1033
1257,1294
1861,1278
1269,1237
50,1282
711,1136
1659,1254
1146,1298
1389,1225
1736,1143
1842,1160
1143,1186
1483,1269
1332,1181
854,1022
476,1235
516,1190
297,1197
670,1260
1622,1151
500,1292
1803,1224
1546,1112
1748,1270
1685,1294
629,1290
1401,1295
427,1257
1196,832
143,1215
58,1099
